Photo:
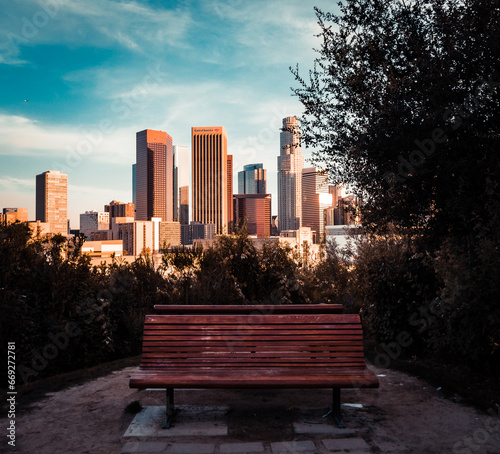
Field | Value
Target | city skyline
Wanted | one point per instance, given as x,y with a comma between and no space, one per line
138,65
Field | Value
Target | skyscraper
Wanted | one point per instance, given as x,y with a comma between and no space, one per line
316,198
252,180
154,176
290,165
255,211
210,176
181,184
229,192
52,200
134,187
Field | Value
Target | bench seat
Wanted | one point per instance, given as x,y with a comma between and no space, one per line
256,377
253,351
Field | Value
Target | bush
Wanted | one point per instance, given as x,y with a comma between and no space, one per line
64,314
392,286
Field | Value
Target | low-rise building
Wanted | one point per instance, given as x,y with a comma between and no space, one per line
40,229
119,210
93,220
197,231
170,234
11,215
103,248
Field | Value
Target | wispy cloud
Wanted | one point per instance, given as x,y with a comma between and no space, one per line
63,145
16,184
269,33
23,136
97,23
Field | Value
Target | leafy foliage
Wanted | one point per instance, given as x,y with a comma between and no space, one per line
65,314
403,105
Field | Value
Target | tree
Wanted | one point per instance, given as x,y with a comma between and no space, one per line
402,104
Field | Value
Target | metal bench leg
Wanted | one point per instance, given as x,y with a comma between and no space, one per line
336,408
169,410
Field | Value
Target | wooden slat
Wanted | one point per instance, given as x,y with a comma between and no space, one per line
247,329
301,319
249,309
242,348
268,334
229,343
279,377
230,357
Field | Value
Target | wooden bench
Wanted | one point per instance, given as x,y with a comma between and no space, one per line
249,309
253,351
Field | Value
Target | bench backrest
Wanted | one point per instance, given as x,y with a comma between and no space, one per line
253,340
249,309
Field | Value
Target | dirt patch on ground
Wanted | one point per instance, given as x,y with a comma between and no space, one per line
457,383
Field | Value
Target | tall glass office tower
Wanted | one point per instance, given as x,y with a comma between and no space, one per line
211,180
290,165
154,176
252,180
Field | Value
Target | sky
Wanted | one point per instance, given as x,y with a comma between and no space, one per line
79,78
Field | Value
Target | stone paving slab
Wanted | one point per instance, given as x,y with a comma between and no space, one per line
190,421
192,448
237,448
346,444
144,447
303,428
391,446
293,446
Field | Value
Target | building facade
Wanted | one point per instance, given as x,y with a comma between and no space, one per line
290,165
94,220
11,215
196,231
210,177
134,187
170,234
119,210
252,179
316,199
52,200
255,211
181,184
137,236
103,248
229,192
154,176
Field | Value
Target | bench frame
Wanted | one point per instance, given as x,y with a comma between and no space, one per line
314,351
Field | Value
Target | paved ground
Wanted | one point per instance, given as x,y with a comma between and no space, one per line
405,415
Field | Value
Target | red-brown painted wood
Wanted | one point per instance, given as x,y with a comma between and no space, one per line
265,309
231,350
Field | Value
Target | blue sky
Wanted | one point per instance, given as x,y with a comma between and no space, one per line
95,72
